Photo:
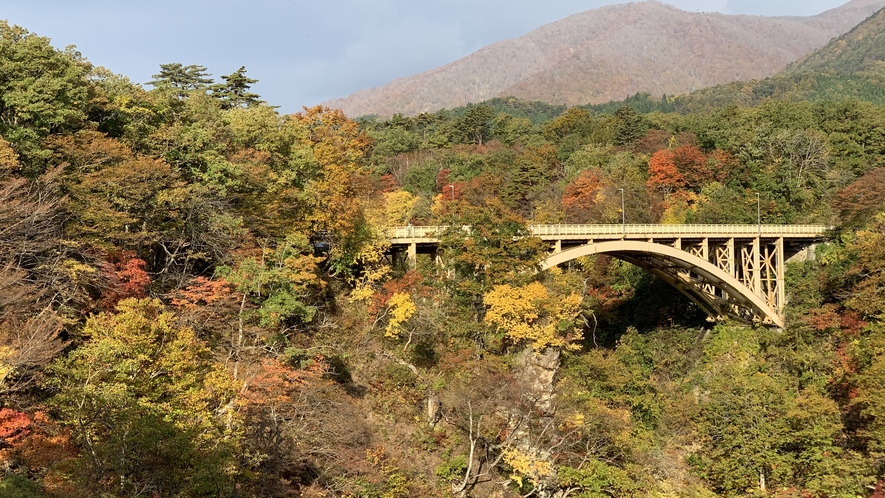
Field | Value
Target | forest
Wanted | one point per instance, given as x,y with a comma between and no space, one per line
197,297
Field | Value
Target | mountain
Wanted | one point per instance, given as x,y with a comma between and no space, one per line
609,53
851,66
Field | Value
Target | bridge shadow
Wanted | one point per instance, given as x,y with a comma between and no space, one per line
653,305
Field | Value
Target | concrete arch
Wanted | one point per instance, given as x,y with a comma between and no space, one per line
687,273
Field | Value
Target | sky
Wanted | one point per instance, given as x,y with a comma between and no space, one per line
304,52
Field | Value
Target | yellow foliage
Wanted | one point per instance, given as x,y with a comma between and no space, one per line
77,271
399,206
679,205
401,308
530,313
548,211
8,157
5,367
441,206
532,466
394,209
375,269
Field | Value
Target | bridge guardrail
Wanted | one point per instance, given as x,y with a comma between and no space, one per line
430,232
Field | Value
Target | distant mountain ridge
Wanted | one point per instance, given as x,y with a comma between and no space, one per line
612,52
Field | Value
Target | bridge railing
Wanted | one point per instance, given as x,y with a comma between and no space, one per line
429,232
650,229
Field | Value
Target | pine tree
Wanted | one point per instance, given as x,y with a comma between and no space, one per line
234,92
181,78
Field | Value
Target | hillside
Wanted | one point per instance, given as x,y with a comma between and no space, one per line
199,297
849,67
860,50
612,52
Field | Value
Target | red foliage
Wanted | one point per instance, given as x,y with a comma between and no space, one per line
662,172
653,141
478,191
127,277
693,165
34,442
14,426
879,492
851,323
386,183
581,196
442,179
823,318
724,166
862,198
202,290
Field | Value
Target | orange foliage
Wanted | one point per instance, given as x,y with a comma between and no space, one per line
35,443
693,165
337,145
202,290
662,172
276,382
581,196
14,426
128,278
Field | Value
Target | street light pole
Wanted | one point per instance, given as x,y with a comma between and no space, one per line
623,214
758,214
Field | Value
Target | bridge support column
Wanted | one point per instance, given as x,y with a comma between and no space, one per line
557,247
757,267
781,277
412,255
729,248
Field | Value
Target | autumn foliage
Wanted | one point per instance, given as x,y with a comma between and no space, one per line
663,174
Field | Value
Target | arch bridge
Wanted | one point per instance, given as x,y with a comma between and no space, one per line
734,271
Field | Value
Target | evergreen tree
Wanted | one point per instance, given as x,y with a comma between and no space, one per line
181,78
631,126
234,92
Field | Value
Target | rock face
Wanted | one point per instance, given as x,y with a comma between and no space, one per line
614,52
538,372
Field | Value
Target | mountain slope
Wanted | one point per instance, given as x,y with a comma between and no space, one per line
849,67
612,52
861,49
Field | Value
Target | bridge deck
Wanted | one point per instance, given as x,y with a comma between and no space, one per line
566,232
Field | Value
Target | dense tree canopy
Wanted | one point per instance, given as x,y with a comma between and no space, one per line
198,296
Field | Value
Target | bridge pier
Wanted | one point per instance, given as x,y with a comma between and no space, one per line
412,255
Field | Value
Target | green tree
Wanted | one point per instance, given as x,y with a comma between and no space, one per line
283,281
234,92
181,79
496,249
475,125
630,126
42,91
147,406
